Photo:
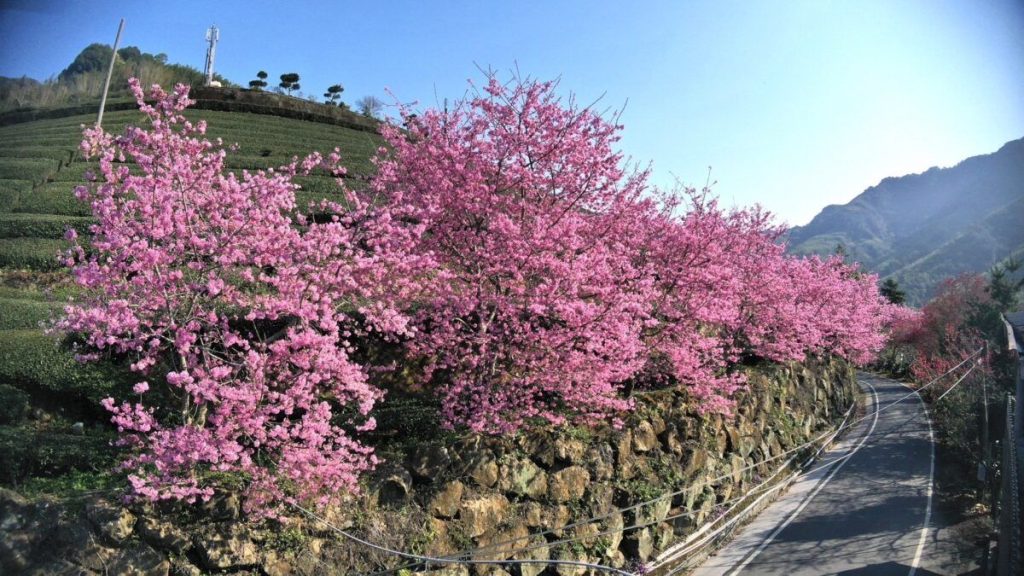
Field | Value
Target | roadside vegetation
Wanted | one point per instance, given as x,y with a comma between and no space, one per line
964,317
968,406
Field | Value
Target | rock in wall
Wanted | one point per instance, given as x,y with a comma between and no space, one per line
482,498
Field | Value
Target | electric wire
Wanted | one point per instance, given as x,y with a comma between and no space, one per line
502,543
753,493
446,561
636,526
838,461
973,366
457,557
798,448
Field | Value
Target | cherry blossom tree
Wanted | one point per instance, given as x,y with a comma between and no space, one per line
950,327
237,313
563,277
503,245
727,293
704,263
536,311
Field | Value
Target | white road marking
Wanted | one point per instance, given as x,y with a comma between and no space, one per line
931,483
842,462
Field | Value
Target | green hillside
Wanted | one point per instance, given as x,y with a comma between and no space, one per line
43,391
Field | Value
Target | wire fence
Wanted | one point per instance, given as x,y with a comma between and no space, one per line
1010,558
1008,508
468,556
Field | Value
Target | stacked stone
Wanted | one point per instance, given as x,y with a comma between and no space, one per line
492,497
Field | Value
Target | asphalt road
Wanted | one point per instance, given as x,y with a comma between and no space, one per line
865,509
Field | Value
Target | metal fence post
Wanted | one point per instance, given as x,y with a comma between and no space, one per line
1011,490
1009,560
1017,562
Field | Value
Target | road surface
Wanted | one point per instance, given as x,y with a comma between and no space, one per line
865,509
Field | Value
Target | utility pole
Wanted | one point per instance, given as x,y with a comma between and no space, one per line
212,36
110,72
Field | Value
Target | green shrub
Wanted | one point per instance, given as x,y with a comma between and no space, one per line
31,169
324,185
50,295
11,193
280,108
62,155
65,141
13,405
80,113
74,484
36,363
75,172
54,198
27,451
264,141
17,293
238,162
18,313
288,539
31,253
40,225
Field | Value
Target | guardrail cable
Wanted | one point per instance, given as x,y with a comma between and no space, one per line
830,434
429,560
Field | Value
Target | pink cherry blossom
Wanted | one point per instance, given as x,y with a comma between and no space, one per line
563,276
237,313
503,246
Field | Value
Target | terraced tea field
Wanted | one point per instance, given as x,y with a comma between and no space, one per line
43,391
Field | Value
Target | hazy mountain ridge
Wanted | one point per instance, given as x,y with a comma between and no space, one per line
922,228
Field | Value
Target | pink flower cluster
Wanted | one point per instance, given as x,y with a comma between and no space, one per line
502,243
238,313
563,277
950,327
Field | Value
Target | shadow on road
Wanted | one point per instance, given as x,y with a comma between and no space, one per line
886,569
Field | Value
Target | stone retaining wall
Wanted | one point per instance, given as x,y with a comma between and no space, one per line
471,493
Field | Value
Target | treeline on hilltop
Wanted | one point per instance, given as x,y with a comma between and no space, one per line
77,90
82,81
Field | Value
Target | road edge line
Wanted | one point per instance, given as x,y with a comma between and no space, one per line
821,484
923,538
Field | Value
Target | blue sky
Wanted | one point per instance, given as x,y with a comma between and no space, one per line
795,105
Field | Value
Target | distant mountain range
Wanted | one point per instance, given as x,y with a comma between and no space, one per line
922,228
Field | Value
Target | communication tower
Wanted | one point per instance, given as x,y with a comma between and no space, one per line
212,35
